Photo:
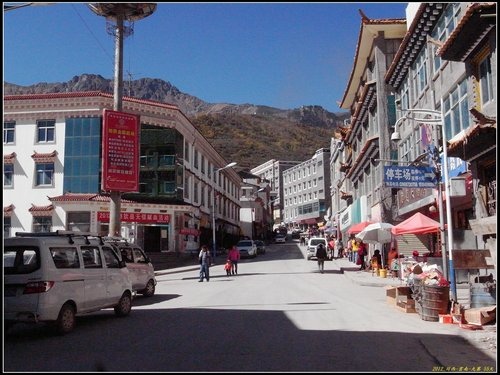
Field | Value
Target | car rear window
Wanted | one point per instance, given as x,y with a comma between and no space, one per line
317,242
21,259
245,243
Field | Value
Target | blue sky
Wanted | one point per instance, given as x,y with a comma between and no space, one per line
283,55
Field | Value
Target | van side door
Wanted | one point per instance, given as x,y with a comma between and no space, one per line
117,277
94,276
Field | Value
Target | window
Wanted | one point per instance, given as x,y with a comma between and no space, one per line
44,174
110,258
91,257
455,109
446,24
485,80
420,75
9,132
46,131
8,175
6,226
42,224
78,221
65,257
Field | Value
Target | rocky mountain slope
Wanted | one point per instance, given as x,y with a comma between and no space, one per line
246,133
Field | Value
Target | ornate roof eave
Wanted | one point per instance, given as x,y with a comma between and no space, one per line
478,20
368,149
475,140
364,104
415,39
368,31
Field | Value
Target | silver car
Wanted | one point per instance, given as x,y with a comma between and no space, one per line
247,248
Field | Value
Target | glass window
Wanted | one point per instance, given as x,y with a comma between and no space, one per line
78,221
91,257
20,260
6,226
110,258
65,257
486,81
9,132
42,224
46,131
456,113
8,175
44,174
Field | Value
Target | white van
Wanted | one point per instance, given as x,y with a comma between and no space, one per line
56,276
313,243
142,272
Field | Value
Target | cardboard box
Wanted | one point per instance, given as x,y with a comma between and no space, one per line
480,315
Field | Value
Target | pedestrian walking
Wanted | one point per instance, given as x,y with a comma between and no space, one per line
234,256
340,248
204,258
321,256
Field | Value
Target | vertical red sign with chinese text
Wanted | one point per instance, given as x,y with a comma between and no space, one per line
120,151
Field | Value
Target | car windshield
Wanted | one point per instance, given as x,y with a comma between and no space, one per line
245,243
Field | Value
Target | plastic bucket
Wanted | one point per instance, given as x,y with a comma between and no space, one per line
482,295
435,300
382,272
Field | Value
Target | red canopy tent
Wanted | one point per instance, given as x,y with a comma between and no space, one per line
416,224
356,228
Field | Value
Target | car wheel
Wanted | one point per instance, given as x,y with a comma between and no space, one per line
124,305
149,290
66,320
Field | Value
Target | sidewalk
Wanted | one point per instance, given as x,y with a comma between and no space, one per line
365,278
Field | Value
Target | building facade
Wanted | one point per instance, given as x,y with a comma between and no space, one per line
306,191
360,149
272,171
53,166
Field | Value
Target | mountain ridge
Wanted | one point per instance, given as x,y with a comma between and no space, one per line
283,134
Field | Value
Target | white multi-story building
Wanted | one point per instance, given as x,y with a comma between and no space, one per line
306,191
53,165
272,171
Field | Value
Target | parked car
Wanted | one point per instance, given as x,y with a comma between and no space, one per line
54,277
261,247
280,238
312,245
296,234
142,272
247,248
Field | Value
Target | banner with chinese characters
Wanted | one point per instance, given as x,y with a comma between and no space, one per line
120,151
136,217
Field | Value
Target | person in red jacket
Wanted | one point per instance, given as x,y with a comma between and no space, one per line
234,256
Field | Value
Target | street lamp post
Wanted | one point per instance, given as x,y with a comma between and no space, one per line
214,240
437,119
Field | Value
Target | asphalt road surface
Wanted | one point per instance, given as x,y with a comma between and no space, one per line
279,314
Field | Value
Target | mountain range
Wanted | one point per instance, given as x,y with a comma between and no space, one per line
246,133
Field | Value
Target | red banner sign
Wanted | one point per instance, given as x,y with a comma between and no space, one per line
136,217
120,151
189,232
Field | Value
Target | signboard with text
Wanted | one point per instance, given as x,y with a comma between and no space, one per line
120,151
136,217
409,177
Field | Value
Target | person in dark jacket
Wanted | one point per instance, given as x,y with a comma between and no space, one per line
321,256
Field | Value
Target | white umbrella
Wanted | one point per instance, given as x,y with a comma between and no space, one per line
376,233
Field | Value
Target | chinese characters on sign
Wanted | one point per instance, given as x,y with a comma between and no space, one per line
409,177
136,217
120,151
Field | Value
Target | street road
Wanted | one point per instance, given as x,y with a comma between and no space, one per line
278,314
